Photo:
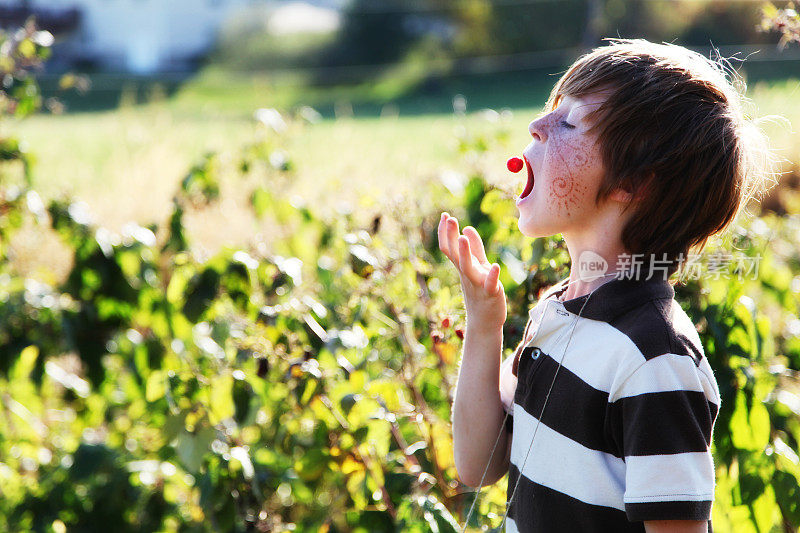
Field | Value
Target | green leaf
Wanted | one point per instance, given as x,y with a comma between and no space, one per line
750,428
242,395
192,447
356,487
154,390
388,391
765,511
787,494
221,398
174,424
379,435
200,293
24,366
261,200
311,465
751,486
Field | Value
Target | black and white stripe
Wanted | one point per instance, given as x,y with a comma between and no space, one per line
625,434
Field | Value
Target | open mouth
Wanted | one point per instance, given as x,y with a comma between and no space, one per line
529,185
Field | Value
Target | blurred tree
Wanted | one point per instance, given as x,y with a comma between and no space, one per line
533,26
724,23
377,37
475,35
371,33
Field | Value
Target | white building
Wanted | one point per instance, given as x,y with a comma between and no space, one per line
143,36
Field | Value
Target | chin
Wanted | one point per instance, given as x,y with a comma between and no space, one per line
534,229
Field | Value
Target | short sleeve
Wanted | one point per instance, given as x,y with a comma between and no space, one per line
508,387
662,418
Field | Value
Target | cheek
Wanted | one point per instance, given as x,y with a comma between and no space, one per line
572,165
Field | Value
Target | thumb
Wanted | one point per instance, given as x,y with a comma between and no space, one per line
491,284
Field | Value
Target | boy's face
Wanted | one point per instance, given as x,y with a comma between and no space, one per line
567,170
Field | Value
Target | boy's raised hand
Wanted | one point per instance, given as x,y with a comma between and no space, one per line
484,296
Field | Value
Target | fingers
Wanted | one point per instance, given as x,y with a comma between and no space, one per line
476,244
467,267
451,235
445,241
490,284
443,235
468,255
448,236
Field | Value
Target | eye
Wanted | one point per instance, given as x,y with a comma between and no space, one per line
567,124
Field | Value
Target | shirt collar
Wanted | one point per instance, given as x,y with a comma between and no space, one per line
614,297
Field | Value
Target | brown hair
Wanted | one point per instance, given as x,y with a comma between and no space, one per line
672,131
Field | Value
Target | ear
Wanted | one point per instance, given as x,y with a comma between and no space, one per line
621,195
624,193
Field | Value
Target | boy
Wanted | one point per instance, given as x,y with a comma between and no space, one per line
642,154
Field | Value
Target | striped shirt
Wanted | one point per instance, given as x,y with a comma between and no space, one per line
626,432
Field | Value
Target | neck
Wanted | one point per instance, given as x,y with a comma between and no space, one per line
595,256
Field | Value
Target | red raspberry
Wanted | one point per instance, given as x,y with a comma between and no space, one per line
446,322
515,164
460,333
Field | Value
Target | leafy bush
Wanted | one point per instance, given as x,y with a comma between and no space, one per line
306,383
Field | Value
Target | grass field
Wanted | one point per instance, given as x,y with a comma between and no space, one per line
125,163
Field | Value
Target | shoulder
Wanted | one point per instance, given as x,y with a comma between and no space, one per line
667,352
660,326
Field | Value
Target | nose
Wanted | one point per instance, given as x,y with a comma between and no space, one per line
537,130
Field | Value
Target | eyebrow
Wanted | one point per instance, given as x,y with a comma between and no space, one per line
563,97
583,116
